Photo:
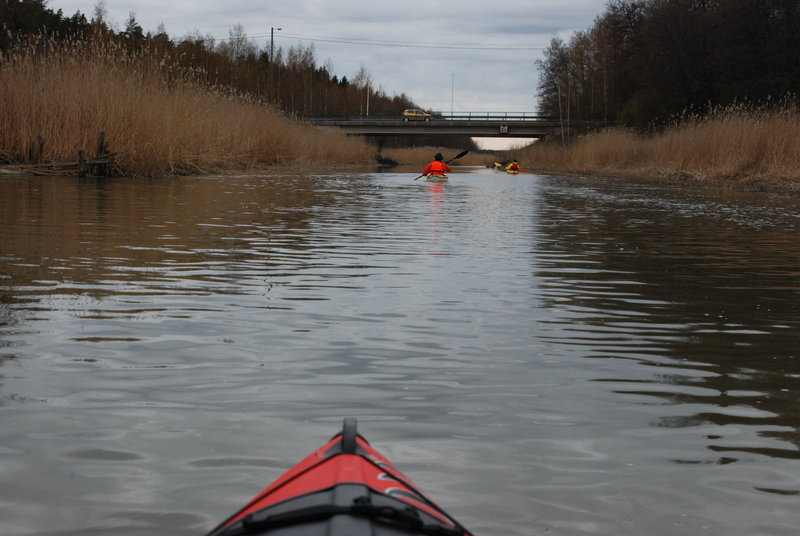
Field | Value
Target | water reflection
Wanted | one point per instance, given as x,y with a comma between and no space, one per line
166,236
707,292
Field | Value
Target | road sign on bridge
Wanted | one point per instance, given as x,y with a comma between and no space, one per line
474,124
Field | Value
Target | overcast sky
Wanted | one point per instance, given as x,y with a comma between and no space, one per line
453,54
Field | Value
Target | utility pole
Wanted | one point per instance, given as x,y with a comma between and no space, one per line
452,90
272,57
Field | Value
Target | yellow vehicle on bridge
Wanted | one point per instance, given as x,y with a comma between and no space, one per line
414,114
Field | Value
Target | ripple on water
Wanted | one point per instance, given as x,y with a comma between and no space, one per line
540,354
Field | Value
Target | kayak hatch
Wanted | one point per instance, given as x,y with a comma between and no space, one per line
344,488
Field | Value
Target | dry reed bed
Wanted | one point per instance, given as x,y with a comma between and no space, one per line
159,120
736,145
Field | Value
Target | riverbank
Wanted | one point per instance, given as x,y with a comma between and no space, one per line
737,148
157,118
742,183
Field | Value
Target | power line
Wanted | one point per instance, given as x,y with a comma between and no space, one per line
400,44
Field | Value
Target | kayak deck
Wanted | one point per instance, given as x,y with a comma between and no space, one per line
344,488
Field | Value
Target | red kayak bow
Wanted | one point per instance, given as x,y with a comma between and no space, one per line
344,488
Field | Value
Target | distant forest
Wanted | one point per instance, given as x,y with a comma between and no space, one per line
291,79
647,62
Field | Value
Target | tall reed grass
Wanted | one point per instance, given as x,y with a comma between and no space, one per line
734,144
54,100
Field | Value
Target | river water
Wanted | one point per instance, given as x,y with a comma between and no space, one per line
543,355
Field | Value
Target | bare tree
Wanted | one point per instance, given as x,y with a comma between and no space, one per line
237,46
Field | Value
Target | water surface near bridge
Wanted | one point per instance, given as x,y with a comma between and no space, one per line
543,355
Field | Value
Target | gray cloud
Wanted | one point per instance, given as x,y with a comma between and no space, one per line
471,75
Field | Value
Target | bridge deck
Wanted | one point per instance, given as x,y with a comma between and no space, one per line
477,124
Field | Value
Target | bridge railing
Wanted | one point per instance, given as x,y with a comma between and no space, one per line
492,116
444,116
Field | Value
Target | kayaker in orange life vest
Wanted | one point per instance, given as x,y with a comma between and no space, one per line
513,166
437,167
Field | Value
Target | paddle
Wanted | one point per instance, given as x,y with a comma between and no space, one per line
456,157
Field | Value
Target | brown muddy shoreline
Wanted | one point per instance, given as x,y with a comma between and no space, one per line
742,183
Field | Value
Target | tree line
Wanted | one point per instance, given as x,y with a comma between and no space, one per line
646,62
289,78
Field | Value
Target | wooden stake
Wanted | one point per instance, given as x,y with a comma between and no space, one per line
81,164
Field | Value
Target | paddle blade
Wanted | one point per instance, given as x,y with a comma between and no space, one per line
459,155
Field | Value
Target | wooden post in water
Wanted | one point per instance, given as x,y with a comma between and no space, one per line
81,164
101,144
36,150
101,167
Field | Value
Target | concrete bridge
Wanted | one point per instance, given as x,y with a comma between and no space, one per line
474,124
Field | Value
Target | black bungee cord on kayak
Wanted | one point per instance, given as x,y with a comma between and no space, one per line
406,518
